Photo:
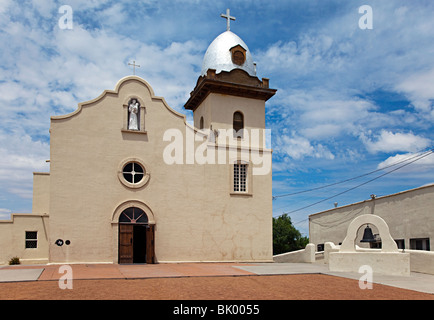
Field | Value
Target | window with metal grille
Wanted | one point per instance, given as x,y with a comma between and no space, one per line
240,177
31,239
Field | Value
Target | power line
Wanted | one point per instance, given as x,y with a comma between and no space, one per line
354,178
362,184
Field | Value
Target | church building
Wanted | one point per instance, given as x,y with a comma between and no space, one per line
131,181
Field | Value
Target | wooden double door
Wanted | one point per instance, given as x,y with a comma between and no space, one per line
136,243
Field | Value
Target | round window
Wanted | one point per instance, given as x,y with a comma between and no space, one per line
133,173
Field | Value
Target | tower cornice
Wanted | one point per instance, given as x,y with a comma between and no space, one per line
236,83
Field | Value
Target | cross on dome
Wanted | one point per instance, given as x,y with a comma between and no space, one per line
228,17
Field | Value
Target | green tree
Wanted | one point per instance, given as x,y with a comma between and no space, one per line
286,237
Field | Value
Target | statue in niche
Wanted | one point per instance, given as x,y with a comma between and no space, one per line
133,111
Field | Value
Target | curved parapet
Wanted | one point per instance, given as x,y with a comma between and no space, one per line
388,244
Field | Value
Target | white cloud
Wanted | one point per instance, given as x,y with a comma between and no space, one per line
424,164
327,116
20,156
322,114
298,148
325,73
114,14
420,89
309,54
45,8
388,141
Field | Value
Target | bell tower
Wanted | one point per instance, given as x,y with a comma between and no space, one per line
228,94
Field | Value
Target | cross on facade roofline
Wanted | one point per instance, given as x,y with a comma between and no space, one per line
228,17
134,66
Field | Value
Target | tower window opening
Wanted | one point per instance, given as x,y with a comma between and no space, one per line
238,124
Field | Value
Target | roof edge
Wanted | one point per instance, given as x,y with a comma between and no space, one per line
431,185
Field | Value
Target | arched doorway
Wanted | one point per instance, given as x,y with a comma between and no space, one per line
136,237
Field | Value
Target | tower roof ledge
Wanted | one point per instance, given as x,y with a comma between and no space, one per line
236,82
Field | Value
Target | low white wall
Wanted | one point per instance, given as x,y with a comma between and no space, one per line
328,248
304,255
420,261
391,263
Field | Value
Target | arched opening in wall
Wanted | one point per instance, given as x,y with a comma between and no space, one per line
136,237
133,115
238,124
368,237
201,125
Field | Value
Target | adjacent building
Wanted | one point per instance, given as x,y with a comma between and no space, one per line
408,214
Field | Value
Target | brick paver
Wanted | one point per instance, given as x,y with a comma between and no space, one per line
282,287
218,281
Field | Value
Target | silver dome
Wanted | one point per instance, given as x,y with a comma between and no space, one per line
218,56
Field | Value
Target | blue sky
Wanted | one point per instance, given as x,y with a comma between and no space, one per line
349,101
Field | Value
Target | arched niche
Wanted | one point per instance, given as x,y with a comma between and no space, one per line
387,242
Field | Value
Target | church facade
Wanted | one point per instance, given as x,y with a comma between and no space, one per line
131,181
